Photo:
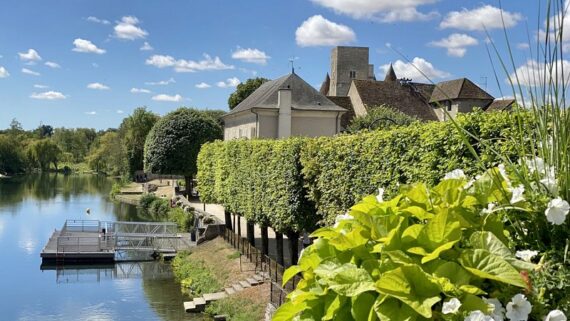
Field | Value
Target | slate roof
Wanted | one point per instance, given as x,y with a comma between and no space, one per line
303,96
501,105
462,88
409,98
344,102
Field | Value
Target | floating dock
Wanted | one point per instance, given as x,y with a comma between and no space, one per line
90,241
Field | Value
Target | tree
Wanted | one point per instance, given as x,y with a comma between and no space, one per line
243,90
173,144
44,152
11,155
216,114
43,131
108,154
133,131
381,117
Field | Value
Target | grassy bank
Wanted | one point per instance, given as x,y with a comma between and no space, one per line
213,266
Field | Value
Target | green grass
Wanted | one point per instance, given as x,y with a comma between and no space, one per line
234,255
237,309
194,275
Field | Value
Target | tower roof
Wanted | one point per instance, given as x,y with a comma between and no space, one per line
326,85
391,74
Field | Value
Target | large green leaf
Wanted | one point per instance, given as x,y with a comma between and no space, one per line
362,307
289,310
290,273
347,279
490,242
412,286
394,310
443,228
435,254
487,265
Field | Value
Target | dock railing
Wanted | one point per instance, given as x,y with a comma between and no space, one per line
84,244
93,226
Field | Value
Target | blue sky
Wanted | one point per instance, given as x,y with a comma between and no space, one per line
81,63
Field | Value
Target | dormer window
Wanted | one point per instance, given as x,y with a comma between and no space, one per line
352,74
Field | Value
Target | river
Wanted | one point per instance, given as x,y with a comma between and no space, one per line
31,207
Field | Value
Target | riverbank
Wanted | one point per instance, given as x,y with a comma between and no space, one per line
215,265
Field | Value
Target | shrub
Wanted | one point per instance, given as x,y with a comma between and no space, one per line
405,258
146,200
380,118
184,220
194,275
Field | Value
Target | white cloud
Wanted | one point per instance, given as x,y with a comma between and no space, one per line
30,72
48,95
90,113
3,72
486,16
534,73
230,82
182,65
167,98
86,46
146,47
160,83
98,86
52,64
456,44
120,111
380,10
140,91
97,20
318,31
40,86
523,46
128,29
251,55
30,56
203,85
412,70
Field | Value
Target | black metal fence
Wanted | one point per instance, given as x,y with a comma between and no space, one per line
263,263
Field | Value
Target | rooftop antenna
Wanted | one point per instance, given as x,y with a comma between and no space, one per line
292,62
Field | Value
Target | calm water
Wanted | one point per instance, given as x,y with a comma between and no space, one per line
31,207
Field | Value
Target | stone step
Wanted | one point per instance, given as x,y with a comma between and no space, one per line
258,277
214,296
230,291
264,275
237,287
200,302
252,281
189,307
244,284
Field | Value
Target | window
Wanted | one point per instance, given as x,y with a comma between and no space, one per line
352,74
448,105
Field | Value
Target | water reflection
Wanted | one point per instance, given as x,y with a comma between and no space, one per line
31,207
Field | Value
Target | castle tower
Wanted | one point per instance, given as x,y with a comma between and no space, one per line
348,63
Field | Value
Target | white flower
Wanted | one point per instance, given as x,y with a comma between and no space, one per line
550,182
526,255
342,217
555,315
519,308
455,174
451,306
557,211
535,165
503,172
498,309
478,316
517,194
489,209
380,196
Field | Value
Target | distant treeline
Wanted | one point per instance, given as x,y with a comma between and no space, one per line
117,152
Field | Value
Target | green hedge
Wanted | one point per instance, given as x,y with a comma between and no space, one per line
294,183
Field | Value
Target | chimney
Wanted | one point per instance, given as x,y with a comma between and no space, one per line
284,105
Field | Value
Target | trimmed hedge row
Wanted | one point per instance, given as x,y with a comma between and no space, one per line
292,184
260,179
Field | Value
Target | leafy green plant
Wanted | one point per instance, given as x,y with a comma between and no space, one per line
404,258
194,275
237,309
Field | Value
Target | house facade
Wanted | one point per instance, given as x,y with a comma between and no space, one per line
430,102
281,108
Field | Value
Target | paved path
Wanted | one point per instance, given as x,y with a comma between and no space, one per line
218,211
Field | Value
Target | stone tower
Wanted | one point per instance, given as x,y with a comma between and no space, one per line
348,63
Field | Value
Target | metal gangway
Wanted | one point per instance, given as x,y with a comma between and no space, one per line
95,237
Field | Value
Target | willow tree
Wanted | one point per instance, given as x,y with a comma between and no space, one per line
172,146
